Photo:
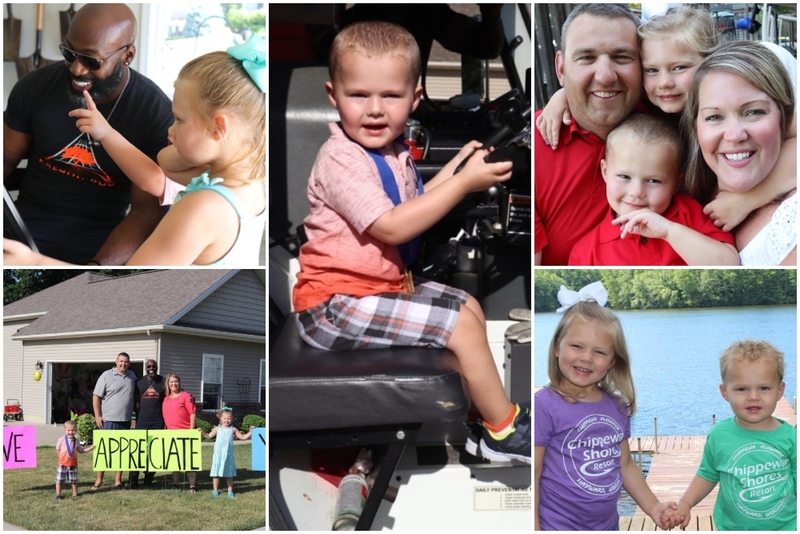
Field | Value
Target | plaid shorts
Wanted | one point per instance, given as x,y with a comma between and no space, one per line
425,319
67,474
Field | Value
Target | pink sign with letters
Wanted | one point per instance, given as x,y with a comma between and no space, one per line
19,446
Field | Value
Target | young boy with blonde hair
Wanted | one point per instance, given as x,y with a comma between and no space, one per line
67,449
753,456
367,208
649,222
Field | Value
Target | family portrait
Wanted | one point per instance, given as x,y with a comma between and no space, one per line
665,138
134,390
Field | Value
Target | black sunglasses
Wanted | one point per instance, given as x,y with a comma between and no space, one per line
91,63
152,367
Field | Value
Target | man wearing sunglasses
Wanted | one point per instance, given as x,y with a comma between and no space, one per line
149,395
72,196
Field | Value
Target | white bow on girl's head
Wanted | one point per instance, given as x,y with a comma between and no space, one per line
594,291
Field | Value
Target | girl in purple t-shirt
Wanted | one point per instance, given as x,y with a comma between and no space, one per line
582,458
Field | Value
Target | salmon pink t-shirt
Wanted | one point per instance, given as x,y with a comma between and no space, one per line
177,411
346,196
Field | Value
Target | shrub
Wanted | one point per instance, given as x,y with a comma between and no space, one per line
205,425
86,426
251,421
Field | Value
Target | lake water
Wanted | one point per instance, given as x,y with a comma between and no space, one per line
675,360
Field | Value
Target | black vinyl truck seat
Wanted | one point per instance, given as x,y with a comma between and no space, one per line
378,398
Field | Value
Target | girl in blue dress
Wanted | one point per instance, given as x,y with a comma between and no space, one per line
223,464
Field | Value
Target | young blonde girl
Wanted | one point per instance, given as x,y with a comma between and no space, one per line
582,418
218,150
223,464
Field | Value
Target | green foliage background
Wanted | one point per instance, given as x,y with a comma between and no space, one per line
639,289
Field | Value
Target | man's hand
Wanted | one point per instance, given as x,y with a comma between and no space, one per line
90,120
99,421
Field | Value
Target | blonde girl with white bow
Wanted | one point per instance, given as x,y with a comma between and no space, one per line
582,459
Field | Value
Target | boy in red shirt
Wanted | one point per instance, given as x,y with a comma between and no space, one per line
354,290
642,171
67,449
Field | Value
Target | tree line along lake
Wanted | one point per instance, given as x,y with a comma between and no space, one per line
675,360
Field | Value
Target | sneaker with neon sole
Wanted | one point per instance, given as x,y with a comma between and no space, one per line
515,446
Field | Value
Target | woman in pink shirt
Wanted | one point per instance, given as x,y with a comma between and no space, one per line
179,413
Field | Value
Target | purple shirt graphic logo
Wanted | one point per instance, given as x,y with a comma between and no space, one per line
592,454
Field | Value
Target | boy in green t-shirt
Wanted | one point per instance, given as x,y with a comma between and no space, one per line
752,455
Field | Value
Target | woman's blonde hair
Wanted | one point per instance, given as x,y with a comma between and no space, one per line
224,85
618,382
176,375
751,351
375,39
760,67
691,27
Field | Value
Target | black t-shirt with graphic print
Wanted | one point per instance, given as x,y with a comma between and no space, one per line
75,189
149,396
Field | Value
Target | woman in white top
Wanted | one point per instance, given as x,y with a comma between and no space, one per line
739,110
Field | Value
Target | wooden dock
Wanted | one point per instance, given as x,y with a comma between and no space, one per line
697,522
674,463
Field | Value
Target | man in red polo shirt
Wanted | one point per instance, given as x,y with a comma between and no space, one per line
600,69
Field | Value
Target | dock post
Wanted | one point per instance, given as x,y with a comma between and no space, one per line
713,419
655,424
639,441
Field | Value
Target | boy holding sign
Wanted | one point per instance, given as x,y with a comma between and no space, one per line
67,449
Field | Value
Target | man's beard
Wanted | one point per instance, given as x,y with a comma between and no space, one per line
101,87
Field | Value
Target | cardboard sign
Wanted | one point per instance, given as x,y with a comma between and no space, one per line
259,453
153,450
19,446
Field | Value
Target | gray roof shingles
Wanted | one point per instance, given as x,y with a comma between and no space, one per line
93,302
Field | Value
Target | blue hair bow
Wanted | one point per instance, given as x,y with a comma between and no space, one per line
253,55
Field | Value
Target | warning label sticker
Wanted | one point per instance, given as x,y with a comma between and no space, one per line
502,498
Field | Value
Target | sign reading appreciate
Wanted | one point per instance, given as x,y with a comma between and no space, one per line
154,450
259,453
19,446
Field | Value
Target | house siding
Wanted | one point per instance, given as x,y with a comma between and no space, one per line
238,305
184,354
13,362
139,348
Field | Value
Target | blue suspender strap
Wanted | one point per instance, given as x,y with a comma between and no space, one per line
408,250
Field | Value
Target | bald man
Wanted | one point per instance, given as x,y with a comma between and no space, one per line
73,197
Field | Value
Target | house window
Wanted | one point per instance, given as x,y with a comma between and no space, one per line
262,377
211,387
174,33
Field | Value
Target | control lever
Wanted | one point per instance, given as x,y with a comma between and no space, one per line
515,123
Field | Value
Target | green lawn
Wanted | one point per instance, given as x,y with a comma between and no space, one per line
29,499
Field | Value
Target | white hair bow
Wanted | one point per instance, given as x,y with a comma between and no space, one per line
594,291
